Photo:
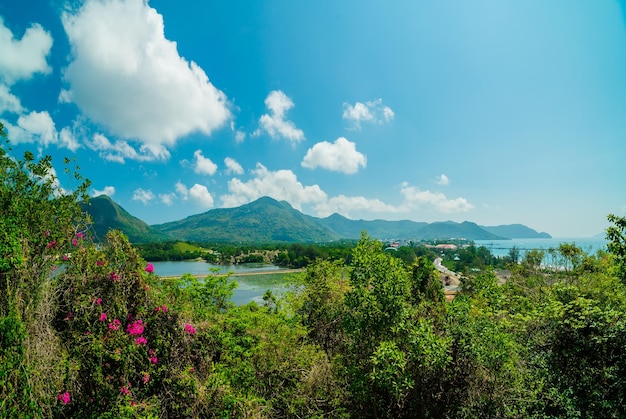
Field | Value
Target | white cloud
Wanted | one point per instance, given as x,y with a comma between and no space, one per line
201,195
275,123
167,198
125,75
348,205
232,167
442,180
372,111
33,127
340,156
416,198
22,58
8,101
143,195
182,190
120,150
108,190
38,128
68,140
203,165
281,185
239,136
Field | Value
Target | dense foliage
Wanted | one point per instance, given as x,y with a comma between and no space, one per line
91,330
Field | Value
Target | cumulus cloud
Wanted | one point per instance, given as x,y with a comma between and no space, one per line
33,127
201,196
8,101
275,123
68,140
442,180
416,198
167,198
143,195
281,185
108,190
22,58
182,190
372,111
340,156
232,167
39,128
203,165
120,150
125,75
348,205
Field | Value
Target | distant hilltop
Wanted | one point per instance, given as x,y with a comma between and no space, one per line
267,220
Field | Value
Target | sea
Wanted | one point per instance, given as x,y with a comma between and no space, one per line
501,248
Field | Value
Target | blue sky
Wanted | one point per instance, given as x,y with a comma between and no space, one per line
495,112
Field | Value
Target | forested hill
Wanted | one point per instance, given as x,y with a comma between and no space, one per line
262,221
267,220
106,215
516,231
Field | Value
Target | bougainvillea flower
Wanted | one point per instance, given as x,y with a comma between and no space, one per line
64,397
135,328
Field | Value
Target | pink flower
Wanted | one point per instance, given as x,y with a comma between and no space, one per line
74,242
80,235
115,324
146,378
114,277
125,390
190,329
64,397
69,316
140,341
161,308
88,333
100,263
66,258
135,328
51,244
103,317
153,359
54,267
99,301
150,268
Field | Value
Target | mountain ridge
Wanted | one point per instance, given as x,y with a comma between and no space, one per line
267,220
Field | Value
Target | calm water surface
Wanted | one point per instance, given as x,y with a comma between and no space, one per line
250,288
502,247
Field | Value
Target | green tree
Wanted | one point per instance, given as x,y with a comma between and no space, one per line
616,235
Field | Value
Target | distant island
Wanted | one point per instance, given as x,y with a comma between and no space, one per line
267,220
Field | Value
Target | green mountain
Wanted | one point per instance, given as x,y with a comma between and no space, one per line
267,220
106,215
516,231
381,229
262,221
449,230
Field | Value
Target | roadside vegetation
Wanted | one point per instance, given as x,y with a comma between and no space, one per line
90,330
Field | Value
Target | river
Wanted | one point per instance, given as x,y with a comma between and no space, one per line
250,287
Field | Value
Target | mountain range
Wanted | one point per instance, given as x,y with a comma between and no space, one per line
267,220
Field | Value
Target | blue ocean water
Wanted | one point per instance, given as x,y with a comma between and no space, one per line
502,247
